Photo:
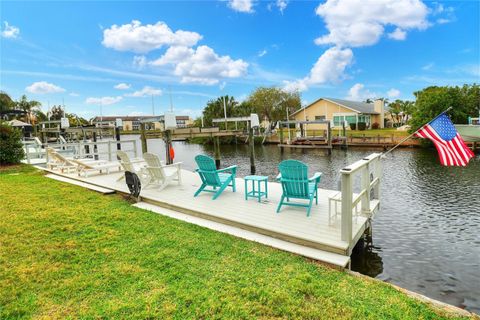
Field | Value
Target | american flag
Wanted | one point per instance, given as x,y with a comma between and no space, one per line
450,146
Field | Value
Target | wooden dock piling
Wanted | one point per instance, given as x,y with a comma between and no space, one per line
251,144
143,137
216,147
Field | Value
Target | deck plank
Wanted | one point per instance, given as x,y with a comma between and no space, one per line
290,224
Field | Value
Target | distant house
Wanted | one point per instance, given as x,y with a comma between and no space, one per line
130,123
338,111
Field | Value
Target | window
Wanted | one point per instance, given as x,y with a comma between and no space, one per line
319,117
364,118
337,120
351,119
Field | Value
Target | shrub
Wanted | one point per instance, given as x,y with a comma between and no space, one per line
362,126
375,125
353,126
11,148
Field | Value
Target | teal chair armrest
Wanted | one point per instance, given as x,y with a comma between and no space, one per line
316,177
233,169
279,177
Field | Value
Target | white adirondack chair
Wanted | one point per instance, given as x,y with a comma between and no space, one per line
135,166
56,161
85,167
159,174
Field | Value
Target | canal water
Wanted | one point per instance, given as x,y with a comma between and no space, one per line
426,236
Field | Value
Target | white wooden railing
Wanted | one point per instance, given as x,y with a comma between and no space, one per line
78,149
369,169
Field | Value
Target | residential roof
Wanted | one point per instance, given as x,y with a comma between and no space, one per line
18,123
132,118
360,107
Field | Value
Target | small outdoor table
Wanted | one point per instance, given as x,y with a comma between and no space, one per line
256,193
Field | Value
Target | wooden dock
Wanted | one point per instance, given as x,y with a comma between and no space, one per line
291,225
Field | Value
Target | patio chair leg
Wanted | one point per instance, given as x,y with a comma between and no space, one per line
234,187
219,192
280,204
200,189
316,196
309,207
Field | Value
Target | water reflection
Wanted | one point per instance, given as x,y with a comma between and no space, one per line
426,236
366,258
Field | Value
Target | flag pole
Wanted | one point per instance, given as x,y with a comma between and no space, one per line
405,139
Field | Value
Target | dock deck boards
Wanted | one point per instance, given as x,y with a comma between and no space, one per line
291,224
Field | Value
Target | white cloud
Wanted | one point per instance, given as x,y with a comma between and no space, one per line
443,20
10,31
241,5
145,92
201,65
74,94
122,86
358,93
282,5
428,66
144,38
329,68
357,23
393,93
398,34
104,101
262,53
139,62
43,87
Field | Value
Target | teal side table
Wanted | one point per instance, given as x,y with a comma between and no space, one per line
256,192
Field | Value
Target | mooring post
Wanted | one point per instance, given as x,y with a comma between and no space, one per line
168,145
117,137
329,138
95,149
143,137
280,129
251,143
216,146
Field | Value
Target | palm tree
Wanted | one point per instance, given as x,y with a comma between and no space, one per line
406,108
27,106
395,110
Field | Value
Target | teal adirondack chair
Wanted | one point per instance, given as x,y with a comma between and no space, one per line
297,185
218,180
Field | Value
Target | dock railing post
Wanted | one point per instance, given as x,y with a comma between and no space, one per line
366,186
216,147
346,206
109,151
27,153
135,148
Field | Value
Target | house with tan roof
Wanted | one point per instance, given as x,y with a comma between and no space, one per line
338,111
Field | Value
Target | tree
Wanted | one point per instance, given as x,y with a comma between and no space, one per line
395,109
6,103
27,106
431,101
75,121
214,109
56,113
11,147
406,108
271,103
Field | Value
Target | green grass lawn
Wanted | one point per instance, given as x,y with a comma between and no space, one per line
66,252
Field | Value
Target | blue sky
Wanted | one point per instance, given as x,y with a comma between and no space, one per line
120,54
